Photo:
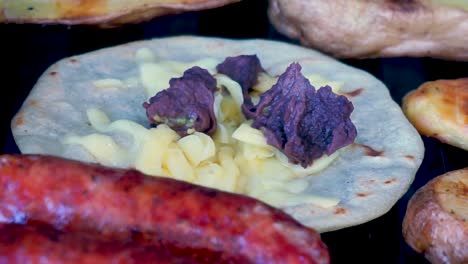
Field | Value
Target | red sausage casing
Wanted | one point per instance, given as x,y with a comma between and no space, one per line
27,244
126,205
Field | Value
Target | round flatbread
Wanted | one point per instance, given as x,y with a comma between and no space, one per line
368,176
102,12
376,28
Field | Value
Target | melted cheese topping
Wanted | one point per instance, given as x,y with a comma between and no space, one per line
248,165
234,89
318,81
155,75
237,158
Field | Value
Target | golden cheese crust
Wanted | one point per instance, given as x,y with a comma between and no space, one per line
376,28
102,12
440,109
436,219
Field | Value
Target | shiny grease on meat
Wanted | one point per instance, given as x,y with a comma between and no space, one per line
126,205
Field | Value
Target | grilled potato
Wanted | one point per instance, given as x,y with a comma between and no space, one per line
376,28
102,12
436,219
440,109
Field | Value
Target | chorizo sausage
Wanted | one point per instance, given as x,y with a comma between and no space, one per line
125,205
43,244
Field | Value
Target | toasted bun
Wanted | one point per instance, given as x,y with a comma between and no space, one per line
440,109
436,219
102,12
376,28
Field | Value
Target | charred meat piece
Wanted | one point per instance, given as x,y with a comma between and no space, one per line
243,69
186,104
302,122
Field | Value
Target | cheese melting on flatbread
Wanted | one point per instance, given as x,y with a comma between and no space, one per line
198,159
155,75
237,158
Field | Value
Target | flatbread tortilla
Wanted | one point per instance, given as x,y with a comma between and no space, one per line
102,12
368,177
